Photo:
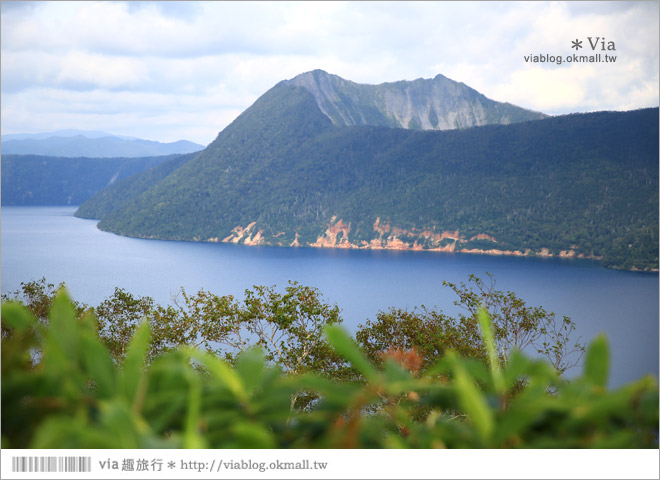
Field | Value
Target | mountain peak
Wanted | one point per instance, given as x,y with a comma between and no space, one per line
422,104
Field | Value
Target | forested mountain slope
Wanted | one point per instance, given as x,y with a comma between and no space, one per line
44,180
282,174
117,193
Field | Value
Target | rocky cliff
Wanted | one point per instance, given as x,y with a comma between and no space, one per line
386,237
423,104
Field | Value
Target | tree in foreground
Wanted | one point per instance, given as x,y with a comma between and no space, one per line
287,326
516,327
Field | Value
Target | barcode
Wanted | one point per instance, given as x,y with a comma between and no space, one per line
51,464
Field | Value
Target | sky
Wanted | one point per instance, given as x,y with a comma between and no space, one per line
184,70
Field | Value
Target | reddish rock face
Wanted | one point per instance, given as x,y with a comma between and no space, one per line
388,237
336,236
245,235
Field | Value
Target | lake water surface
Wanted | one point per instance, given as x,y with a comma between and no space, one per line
49,242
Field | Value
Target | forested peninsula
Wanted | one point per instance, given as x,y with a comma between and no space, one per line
286,173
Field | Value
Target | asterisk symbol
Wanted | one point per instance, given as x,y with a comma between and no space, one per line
576,44
171,464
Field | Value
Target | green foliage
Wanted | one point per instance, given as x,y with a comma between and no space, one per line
118,318
516,326
60,389
37,296
287,326
429,332
118,193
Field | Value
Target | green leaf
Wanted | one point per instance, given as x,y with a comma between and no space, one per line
344,345
251,435
397,379
63,329
251,368
60,361
312,381
523,411
597,361
439,397
516,368
394,372
123,425
16,316
221,371
167,398
471,399
65,432
192,438
132,380
487,335
99,365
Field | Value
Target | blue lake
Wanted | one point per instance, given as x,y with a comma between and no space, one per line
49,242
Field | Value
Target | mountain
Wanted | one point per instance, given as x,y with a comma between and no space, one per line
283,173
61,133
423,104
88,144
41,180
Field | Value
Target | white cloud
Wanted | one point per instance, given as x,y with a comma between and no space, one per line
78,68
549,30
547,90
171,70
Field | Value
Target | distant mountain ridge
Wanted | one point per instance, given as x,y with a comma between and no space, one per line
41,180
423,104
284,173
63,133
90,144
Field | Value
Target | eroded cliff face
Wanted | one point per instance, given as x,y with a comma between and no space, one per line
336,236
394,238
245,235
437,103
388,237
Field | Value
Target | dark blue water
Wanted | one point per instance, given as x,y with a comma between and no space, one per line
49,242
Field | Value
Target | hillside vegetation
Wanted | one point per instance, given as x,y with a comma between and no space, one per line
47,180
117,193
